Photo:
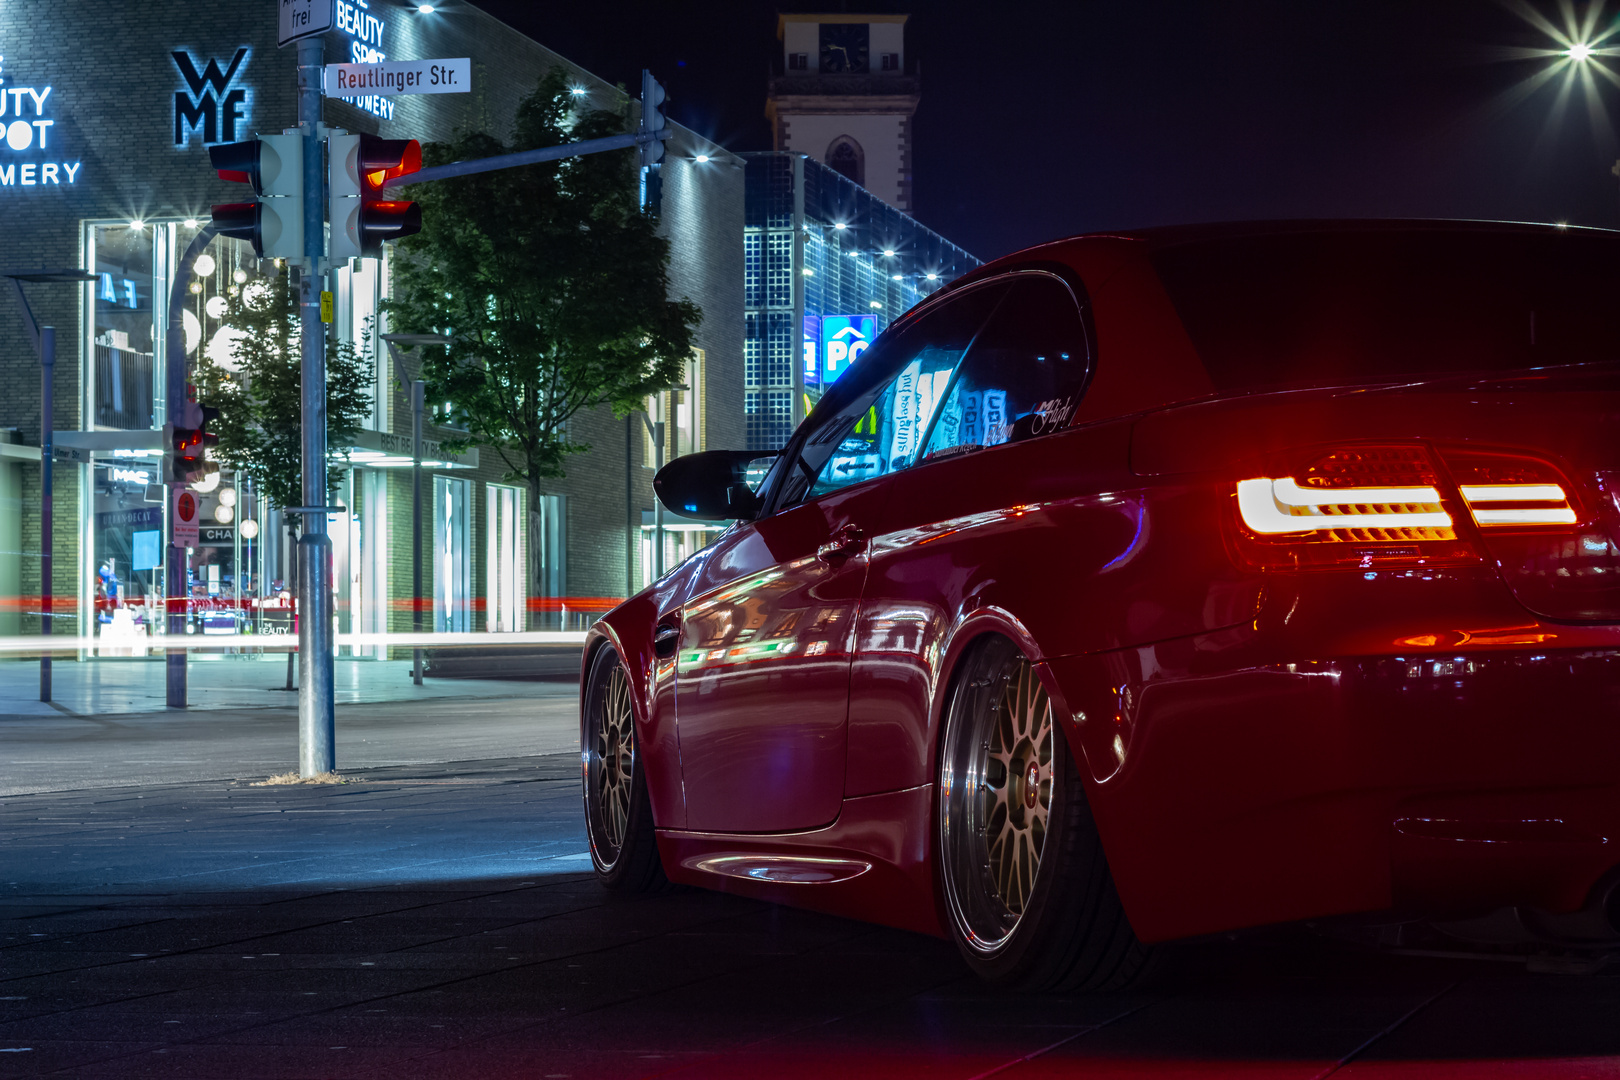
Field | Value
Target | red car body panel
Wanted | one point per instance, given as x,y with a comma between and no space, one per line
1258,746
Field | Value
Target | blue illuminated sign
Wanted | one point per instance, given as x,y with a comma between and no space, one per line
365,31
812,343
843,338
25,129
209,103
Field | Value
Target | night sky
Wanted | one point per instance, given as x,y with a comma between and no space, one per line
1041,120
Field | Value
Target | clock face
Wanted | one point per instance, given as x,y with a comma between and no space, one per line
844,47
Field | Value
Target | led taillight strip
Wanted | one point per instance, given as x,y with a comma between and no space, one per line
1273,507
1554,511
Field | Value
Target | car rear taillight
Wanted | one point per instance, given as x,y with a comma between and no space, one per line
1511,491
1353,506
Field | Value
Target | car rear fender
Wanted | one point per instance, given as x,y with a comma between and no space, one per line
975,625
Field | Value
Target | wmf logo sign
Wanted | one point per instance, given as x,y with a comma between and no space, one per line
210,104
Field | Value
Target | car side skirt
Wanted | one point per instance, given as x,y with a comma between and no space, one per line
873,863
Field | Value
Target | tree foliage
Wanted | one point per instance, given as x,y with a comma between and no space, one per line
260,408
551,282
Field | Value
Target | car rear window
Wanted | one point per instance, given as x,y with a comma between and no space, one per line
1315,309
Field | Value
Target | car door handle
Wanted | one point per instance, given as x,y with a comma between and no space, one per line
845,542
664,639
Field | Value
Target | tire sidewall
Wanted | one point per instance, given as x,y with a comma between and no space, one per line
1012,960
602,665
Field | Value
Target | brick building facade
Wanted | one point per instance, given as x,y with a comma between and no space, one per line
103,166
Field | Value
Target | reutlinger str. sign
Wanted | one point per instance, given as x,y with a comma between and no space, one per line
400,77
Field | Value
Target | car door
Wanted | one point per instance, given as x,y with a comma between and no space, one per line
981,511
766,640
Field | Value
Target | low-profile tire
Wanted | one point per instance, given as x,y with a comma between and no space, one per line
1027,893
618,813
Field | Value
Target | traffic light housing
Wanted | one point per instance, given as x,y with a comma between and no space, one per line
361,167
652,118
273,165
185,450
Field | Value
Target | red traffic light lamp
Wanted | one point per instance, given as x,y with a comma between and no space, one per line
185,449
361,166
273,166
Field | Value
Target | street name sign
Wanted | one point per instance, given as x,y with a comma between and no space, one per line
301,19
399,77
183,521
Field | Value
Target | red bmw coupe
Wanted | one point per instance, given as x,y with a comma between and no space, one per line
1146,585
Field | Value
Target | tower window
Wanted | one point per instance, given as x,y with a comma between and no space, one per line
890,61
798,61
846,156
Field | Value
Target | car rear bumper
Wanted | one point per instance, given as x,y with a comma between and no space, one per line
1276,772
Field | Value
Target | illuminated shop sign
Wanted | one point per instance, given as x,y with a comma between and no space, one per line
843,338
210,103
812,344
365,32
29,156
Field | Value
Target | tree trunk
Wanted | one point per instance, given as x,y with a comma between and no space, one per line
536,617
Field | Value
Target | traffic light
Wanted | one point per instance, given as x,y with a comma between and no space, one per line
360,168
185,450
274,166
652,118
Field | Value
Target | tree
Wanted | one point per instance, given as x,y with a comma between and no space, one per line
259,400
552,284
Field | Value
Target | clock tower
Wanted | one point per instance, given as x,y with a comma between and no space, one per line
845,96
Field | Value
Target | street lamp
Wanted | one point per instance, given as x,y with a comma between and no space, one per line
418,393
43,339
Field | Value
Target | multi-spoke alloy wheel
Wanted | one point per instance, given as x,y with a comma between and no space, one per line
618,817
1028,895
996,796
614,762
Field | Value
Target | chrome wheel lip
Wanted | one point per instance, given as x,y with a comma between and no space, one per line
988,778
607,758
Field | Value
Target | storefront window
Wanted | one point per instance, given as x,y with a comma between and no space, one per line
122,376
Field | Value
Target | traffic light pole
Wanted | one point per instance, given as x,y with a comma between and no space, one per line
316,705
174,390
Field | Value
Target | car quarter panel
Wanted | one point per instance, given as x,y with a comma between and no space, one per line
1056,533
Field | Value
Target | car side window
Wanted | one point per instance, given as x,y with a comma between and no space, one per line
882,431
1024,375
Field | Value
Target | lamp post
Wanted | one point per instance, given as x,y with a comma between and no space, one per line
43,338
418,391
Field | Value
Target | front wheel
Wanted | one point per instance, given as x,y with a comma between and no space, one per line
618,814
1028,896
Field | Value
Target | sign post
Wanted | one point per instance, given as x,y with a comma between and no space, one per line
317,720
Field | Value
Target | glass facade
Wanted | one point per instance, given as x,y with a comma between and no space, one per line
827,266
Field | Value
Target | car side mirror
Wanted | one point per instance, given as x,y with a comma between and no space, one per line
713,484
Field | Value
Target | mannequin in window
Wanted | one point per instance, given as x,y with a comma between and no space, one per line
845,156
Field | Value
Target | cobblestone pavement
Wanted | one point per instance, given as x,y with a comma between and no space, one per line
437,921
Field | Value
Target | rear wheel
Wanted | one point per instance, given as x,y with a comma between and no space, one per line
618,815
1028,895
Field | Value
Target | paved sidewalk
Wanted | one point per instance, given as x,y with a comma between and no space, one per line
55,751
218,681
434,922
